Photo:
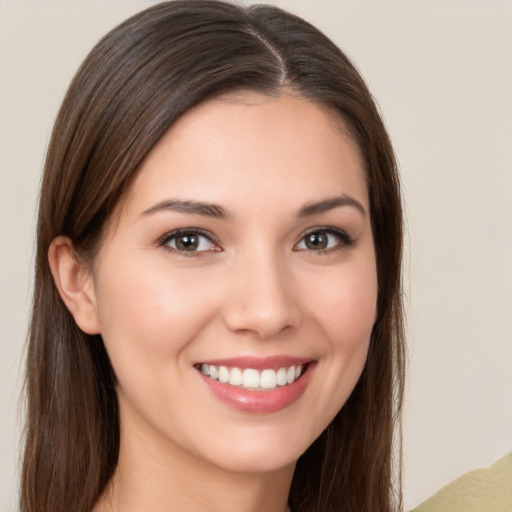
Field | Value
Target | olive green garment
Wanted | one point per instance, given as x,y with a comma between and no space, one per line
482,490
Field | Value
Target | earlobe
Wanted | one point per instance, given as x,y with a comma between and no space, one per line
74,283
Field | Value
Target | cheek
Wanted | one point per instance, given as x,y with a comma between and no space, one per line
348,306
151,312
342,310
348,313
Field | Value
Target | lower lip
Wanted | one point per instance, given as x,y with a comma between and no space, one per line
267,401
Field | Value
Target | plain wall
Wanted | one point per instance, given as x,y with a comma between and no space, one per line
441,72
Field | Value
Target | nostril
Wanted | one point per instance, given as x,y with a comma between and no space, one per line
262,303
262,321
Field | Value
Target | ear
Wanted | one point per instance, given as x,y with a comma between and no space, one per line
74,283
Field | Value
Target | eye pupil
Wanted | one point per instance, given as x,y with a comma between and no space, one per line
316,241
187,242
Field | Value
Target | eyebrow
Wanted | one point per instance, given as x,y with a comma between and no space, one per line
218,212
329,204
191,207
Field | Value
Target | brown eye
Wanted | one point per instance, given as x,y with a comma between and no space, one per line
316,241
324,240
188,242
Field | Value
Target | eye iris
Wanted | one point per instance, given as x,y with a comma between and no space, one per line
187,242
316,241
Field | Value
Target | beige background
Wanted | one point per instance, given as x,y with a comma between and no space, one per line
442,73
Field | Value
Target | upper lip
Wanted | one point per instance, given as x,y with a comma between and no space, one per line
259,363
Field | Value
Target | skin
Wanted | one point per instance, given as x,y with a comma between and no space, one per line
254,289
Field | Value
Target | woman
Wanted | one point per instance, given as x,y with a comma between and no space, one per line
217,318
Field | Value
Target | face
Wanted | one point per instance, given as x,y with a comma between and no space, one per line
236,284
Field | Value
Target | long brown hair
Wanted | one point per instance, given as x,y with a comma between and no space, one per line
133,85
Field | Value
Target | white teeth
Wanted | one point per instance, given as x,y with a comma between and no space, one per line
268,379
214,373
281,377
253,379
235,377
223,374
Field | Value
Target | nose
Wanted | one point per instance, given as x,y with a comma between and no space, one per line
262,301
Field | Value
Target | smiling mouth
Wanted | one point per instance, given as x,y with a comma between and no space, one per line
251,378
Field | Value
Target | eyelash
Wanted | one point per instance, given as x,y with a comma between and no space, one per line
168,237
344,240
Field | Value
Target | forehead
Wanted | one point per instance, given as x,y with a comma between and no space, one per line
252,146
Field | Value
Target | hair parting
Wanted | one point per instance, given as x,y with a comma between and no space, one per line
136,82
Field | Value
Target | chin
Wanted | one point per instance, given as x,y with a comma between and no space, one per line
259,450
244,463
